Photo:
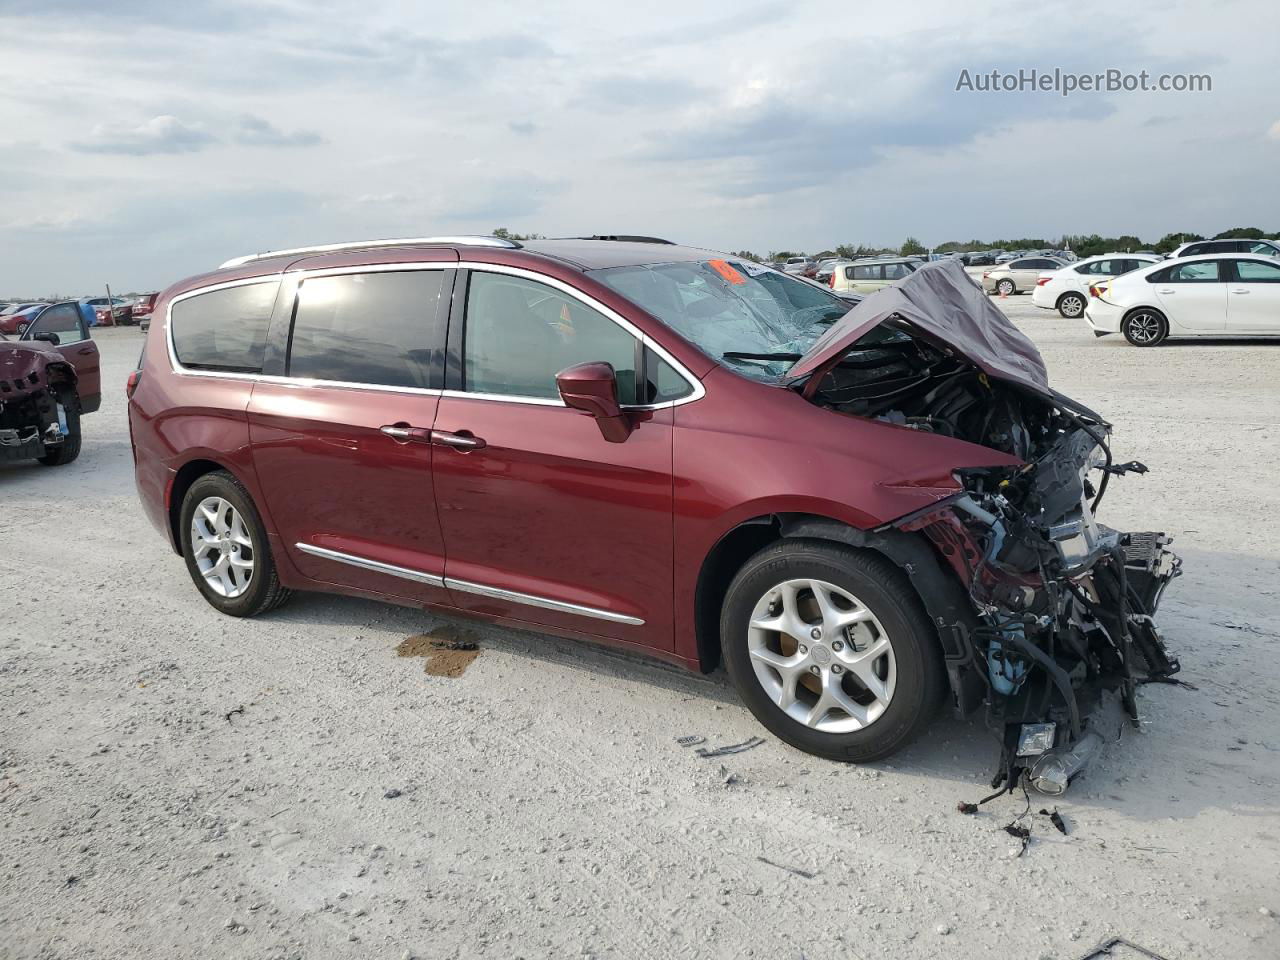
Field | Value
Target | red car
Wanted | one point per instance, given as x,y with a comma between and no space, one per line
15,320
49,378
675,451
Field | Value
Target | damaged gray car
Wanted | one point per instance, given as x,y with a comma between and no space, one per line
1044,609
49,378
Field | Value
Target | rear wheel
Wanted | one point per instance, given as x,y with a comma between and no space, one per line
1145,327
21,327
1071,305
1006,288
830,649
225,545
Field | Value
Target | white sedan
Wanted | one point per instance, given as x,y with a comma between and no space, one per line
1067,290
1221,295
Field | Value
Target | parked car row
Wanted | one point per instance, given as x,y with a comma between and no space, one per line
98,311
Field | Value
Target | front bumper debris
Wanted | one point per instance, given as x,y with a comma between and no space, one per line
1064,612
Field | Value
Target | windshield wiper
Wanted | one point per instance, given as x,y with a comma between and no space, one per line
745,355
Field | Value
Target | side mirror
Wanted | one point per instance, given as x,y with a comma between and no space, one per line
592,388
50,338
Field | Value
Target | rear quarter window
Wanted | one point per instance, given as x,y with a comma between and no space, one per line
223,330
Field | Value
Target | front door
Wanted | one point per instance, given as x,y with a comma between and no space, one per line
341,441
544,520
1193,295
74,343
1253,297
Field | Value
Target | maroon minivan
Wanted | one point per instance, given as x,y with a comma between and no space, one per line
675,451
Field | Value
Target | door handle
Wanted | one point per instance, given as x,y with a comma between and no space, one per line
1166,290
404,433
461,441
1238,292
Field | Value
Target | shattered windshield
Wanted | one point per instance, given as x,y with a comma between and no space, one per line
750,318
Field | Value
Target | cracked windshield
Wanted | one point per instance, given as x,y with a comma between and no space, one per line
754,320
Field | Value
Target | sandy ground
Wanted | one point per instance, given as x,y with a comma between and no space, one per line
537,805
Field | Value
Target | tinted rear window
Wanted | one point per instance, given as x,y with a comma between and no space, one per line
224,329
374,328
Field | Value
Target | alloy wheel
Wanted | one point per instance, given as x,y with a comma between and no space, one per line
222,547
1072,306
822,656
1144,327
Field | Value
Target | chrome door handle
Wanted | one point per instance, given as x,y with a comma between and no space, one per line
459,441
1166,290
403,433
1238,292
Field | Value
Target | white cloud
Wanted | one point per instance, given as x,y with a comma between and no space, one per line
162,134
256,132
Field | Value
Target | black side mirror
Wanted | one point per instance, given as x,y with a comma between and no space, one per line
50,338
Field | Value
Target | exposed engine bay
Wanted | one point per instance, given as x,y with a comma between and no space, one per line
1062,605
39,405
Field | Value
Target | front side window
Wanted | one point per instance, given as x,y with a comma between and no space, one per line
224,330
1254,271
1202,271
374,328
749,318
896,271
521,333
62,319
1254,246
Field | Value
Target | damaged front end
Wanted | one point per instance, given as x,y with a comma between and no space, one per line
1062,606
37,391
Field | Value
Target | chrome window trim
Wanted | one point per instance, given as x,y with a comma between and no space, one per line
276,278
467,586
697,392
377,566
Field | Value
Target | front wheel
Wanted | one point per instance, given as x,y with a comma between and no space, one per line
225,545
831,650
66,451
1071,305
1145,328
21,328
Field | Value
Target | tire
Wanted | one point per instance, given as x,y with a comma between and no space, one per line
1071,305
69,448
247,594
20,329
889,614
1006,287
1145,327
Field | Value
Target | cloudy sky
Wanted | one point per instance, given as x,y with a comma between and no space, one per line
149,139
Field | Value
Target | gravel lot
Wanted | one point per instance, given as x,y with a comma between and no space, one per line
537,805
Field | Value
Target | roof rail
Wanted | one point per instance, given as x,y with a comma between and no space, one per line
367,244
626,238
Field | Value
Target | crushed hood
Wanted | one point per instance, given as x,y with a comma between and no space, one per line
22,366
940,301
